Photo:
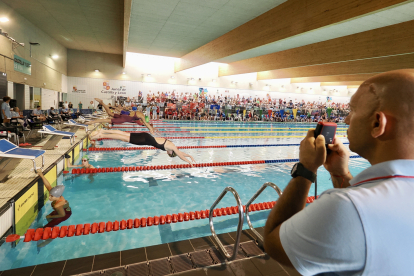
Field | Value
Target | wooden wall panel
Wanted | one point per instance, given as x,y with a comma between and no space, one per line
391,40
366,66
347,83
288,19
338,78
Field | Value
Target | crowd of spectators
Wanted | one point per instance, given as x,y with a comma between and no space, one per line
203,106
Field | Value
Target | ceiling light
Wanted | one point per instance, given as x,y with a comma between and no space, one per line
123,73
213,80
172,77
55,56
96,70
149,75
4,19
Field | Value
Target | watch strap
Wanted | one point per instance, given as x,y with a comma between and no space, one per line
304,172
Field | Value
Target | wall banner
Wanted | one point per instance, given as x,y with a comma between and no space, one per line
118,90
21,65
80,89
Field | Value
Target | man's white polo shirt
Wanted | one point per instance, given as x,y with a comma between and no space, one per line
365,229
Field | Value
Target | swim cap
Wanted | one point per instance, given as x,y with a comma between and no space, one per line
85,157
123,112
57,191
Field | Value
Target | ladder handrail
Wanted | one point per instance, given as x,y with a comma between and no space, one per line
259,237
221,248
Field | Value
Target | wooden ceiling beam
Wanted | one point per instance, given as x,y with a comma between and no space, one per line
127,20
391,40
291,18
365,66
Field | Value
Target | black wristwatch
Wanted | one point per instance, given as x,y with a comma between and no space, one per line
300,170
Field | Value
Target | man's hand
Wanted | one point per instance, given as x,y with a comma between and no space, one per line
337,161
312,152
39,172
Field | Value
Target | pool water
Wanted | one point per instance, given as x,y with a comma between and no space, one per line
128,195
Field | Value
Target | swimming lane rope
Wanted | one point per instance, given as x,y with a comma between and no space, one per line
101,227
182,166
192,147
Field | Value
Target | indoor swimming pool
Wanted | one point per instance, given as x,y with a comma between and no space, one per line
104,197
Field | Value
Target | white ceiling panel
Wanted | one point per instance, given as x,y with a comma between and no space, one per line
185,25
77,24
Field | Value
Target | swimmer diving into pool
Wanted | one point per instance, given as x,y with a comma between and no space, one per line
146,139
59,204
133,117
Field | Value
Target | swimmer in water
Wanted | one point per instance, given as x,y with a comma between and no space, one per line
125,117
85,163
144,139
59,204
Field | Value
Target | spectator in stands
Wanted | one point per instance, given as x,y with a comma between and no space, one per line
91,105
70,105
64,112
38,114
348,230
80,106
5,110
15,114
65,104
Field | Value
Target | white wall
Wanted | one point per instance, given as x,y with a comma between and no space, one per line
94,88
49,99
10,89
26,96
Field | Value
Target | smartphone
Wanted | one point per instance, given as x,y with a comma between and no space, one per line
328,130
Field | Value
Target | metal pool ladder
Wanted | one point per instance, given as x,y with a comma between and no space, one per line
221,248
259,237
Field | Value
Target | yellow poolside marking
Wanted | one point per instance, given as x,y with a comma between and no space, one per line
212,131
250,128
238,137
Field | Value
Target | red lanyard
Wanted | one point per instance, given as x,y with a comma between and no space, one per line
383,177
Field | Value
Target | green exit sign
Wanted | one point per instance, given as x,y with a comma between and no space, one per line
21,65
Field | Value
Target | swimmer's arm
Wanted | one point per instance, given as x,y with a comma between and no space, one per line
61,213
45,181
183,155
69,165
142,117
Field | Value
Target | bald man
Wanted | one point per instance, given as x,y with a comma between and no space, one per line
364,226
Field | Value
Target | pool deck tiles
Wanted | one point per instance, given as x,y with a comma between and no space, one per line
23,173
162,260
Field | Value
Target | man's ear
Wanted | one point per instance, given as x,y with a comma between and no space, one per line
379,124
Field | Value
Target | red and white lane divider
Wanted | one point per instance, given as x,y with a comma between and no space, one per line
170,138
101,227
163,167
153,148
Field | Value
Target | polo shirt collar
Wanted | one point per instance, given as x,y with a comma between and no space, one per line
401,167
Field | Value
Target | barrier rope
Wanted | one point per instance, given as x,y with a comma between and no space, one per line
101,227
225,137
192,147
181,166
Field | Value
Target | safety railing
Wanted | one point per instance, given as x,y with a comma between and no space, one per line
259,237
221,248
